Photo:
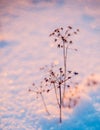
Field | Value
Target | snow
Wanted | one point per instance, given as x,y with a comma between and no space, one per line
25,46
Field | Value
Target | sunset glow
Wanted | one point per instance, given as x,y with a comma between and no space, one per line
26,46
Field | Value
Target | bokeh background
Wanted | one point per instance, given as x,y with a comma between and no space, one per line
25,46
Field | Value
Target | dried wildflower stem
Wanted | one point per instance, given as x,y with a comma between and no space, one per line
56,94
44,104
65,71
42,97
64,58
60,99
60,106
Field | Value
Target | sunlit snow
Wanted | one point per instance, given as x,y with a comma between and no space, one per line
25,47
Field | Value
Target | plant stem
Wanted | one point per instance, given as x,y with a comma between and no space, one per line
64,58
66,53
56,94
44,104
60,106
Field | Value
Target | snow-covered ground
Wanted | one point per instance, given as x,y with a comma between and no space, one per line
25,46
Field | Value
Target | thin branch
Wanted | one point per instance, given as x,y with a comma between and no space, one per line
60,106
56,94
45,106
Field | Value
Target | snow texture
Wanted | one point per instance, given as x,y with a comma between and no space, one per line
25,46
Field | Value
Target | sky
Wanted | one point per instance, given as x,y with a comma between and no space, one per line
25,46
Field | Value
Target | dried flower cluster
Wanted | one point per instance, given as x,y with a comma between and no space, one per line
64,38
58,80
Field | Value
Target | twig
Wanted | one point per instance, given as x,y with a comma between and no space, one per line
44,104
56,94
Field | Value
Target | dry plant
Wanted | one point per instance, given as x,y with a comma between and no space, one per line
63,38
39,91
57,80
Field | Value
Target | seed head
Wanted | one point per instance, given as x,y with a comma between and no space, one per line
75,73
69,27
